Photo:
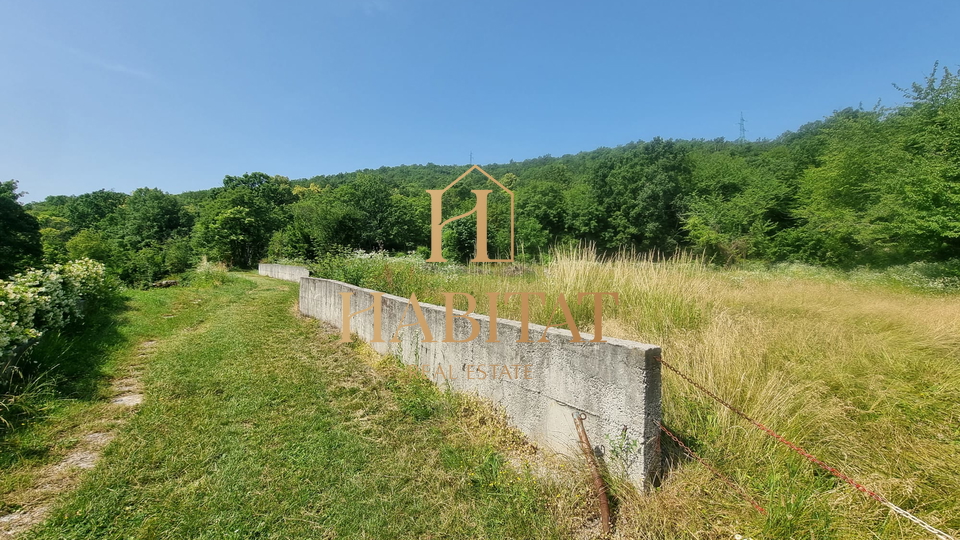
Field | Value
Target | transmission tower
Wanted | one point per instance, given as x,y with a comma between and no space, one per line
743,130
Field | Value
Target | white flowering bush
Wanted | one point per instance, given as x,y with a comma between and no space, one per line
39,300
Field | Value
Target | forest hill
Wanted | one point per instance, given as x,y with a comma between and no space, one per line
494,301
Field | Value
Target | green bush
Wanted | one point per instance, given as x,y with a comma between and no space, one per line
38,300
207,274
401,275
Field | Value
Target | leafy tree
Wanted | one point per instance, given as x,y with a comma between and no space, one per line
926,200
93,245
87,210
732,206
54,234
143,267
407,222
582,213
887,187
276,190
237,225
151,217
371,197
177,255
230,234
532,240
639,194
55,227
322,221
20,245
542,202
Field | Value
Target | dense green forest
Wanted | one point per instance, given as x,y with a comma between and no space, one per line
862,187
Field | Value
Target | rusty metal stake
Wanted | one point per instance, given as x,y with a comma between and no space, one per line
598,484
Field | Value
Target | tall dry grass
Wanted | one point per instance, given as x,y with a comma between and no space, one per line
865,377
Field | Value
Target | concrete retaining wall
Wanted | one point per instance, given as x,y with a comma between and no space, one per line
616,384
285,272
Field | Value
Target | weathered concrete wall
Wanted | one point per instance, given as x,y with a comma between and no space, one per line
285,272
616,384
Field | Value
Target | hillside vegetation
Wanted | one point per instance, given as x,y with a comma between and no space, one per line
862,187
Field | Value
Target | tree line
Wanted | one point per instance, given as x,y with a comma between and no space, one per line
870,187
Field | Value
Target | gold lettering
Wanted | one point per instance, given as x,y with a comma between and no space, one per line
525,312
474,325
377,312
480,209
437,224
563,307
598,312
421,320
492,299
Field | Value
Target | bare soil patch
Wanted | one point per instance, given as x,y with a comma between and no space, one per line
35,502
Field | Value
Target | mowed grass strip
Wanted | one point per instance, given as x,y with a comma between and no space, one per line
258,424
79,364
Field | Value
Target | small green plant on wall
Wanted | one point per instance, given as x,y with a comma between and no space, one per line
624,451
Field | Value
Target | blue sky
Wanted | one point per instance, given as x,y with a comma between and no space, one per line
176,95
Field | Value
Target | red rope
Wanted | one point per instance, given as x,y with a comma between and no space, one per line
810,457
807,455
720,475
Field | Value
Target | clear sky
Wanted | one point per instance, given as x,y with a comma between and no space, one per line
177,94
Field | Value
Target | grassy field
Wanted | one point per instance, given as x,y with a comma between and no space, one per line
865,377
861,370
256,424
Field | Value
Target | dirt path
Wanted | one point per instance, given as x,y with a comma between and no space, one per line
36,501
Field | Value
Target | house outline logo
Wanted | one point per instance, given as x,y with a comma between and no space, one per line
437,222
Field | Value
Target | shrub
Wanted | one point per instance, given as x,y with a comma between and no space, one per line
207,274
38,300
143,267
401,275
